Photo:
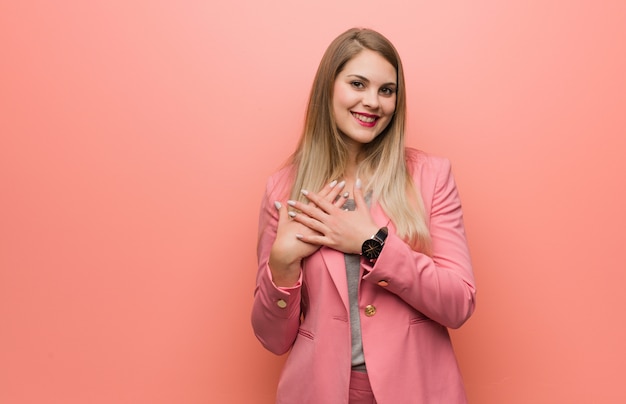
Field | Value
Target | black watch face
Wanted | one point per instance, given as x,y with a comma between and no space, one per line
371,249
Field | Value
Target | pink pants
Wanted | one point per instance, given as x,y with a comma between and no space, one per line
360,389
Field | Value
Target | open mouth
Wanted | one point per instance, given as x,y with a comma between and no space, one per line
365,118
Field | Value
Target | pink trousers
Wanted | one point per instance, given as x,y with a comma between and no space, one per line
360,389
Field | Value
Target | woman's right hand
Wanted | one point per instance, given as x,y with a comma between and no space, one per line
288,251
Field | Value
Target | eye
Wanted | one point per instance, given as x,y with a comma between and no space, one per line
388,91
357,84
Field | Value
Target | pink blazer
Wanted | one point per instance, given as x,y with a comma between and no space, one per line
404,319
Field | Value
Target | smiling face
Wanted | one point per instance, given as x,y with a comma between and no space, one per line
364,98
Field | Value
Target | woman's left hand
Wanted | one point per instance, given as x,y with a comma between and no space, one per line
339,229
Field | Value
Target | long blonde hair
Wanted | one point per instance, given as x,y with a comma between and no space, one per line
321,155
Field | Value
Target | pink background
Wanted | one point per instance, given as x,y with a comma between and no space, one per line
136,137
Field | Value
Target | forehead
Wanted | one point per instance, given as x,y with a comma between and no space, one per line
371,65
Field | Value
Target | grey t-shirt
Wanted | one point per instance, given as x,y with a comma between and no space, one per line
353,268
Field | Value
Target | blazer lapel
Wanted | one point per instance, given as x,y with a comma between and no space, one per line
336,265
335,261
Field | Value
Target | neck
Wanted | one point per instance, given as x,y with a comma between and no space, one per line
350,172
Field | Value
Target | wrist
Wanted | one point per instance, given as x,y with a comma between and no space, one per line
373,246
284,274
285,280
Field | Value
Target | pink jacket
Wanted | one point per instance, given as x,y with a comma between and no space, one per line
407,347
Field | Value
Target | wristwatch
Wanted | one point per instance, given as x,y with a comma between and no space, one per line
372,247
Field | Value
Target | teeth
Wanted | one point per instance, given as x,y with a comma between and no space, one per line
367,119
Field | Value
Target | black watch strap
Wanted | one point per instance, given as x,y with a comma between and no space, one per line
381,235
372,247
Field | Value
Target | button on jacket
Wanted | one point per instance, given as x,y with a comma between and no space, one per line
407,302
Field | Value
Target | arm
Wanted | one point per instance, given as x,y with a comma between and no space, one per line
275,310
442,286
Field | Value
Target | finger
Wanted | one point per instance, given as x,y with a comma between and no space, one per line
359,199
311,239
322,203
307,209
332,190
308,221
328,188
336,192
282,213
341,199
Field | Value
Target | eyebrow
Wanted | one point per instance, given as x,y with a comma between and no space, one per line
391,83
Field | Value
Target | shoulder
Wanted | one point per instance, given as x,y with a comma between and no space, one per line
420,162
280,182
432,175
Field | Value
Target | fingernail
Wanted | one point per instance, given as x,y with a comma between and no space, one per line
291,203
358,183
292,214
298,235
342,184
346,194
304,192
278,205
332,184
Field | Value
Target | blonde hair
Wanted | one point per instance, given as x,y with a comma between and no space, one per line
321,155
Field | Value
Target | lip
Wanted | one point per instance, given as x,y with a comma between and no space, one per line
371,119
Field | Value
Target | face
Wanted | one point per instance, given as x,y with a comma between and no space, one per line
364,98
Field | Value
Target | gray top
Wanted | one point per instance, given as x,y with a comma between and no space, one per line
353,269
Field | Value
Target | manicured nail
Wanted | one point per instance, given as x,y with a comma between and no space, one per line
358,183
291,203
346,194
332,184
299,236
304,192
292,214
278,205
342,184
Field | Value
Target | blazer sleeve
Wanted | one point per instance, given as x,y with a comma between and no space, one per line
441,287
275,310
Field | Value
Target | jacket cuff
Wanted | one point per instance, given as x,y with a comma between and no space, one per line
281,301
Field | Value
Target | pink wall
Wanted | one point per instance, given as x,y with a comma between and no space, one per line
136,138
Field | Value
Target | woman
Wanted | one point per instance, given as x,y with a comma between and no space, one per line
363,259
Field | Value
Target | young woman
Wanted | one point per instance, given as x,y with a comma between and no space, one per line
363,259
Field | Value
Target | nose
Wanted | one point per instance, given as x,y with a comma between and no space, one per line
370,99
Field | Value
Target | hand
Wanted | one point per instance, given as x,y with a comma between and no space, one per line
288,250
333,227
